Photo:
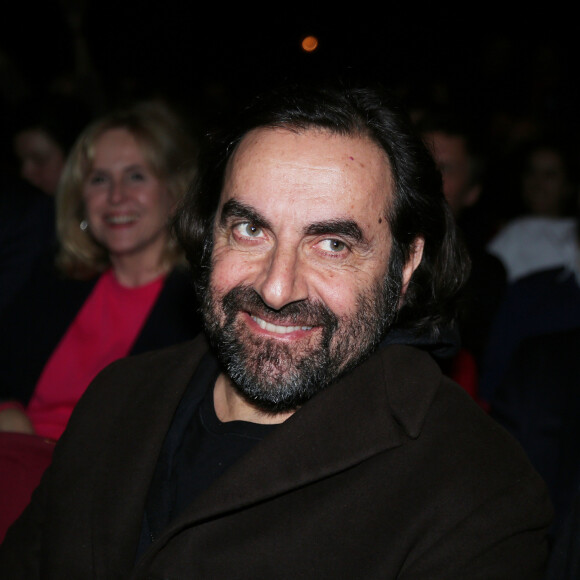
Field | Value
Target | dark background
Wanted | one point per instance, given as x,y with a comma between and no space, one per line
198,52
510,73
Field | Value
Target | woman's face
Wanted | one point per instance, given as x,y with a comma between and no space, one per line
127,206
41,159
545,187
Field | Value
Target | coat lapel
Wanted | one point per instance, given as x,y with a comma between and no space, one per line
130,455
372,409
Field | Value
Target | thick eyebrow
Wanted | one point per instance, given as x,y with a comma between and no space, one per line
236,209
343,227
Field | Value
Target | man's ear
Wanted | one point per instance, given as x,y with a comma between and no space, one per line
412,263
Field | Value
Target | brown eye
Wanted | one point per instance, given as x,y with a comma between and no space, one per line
252,230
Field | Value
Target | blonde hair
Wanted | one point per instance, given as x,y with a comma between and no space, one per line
170,153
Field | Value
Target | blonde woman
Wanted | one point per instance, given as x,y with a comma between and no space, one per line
118,285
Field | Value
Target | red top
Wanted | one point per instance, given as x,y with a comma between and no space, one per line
103,331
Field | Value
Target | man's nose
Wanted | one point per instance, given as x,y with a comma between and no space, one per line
282,280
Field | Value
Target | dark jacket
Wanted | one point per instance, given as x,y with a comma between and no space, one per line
392,472
27,232
538,402
38,318
541,303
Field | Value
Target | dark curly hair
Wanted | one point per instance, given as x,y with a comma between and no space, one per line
419,208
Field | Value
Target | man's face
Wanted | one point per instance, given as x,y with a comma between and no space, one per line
297,290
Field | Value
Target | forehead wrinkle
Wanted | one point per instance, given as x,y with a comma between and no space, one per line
249,152
330,167
303,170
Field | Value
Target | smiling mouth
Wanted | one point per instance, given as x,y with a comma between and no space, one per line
276,328
117,220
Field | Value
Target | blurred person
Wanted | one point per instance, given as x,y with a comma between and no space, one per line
308,433
461,162
547,183
460,165
42,158
118,284
44,131
543,302
543,234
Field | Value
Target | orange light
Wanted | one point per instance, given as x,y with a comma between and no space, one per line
310,43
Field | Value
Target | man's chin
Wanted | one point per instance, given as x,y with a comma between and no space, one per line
278,374
274,378
273,398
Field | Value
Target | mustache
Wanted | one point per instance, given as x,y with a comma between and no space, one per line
302,313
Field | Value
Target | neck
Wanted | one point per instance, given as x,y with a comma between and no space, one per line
231,406
133,272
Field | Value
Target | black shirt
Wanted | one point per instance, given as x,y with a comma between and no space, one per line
198,448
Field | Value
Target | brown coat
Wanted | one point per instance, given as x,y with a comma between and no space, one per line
393,472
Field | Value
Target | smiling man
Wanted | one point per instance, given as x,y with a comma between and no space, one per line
309,433
299,290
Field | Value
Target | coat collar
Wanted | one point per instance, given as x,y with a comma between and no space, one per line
130,451
374,408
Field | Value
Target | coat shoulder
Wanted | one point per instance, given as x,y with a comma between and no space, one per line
143,379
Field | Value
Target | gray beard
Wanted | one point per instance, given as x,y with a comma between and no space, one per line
277,377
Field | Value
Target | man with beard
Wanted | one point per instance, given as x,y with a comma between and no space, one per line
308,438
